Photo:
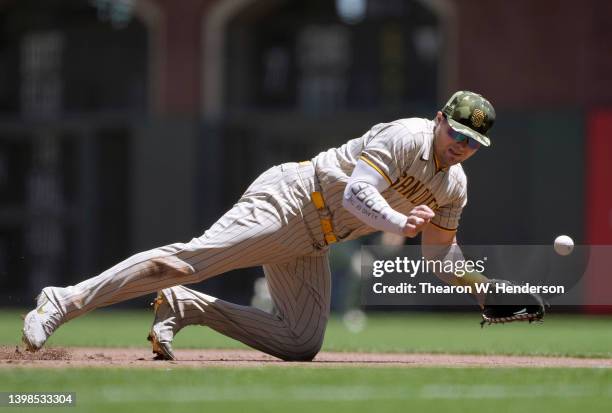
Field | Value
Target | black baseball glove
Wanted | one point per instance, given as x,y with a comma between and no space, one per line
502,306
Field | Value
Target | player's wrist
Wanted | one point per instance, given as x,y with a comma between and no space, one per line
394,221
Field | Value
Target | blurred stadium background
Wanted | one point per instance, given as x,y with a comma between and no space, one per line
128,124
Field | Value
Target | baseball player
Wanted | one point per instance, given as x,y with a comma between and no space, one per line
403,177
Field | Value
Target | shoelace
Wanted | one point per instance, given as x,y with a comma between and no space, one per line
51,321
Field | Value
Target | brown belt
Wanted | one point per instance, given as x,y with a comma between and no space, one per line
324,214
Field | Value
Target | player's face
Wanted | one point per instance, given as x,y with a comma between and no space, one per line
448,150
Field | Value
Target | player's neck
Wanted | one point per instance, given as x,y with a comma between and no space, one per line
439,165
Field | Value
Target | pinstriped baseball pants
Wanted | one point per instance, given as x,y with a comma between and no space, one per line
275,225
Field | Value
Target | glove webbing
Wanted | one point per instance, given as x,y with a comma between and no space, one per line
518,317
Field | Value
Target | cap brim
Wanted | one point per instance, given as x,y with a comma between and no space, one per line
458,127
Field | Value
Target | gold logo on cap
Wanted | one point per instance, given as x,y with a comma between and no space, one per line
477,118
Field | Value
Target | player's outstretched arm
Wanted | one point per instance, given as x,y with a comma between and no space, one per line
496,307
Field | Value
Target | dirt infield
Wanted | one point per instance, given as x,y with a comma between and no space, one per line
140,357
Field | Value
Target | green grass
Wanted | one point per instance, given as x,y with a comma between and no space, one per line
559,335
302,388
319,390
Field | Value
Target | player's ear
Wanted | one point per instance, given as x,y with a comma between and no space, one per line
438,118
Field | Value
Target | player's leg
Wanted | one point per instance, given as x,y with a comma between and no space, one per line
257,229
300,291
227,246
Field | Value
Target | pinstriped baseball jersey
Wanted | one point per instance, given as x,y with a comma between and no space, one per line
402,152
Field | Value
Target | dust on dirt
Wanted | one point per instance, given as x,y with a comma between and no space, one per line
16,353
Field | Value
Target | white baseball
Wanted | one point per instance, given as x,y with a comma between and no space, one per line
564,245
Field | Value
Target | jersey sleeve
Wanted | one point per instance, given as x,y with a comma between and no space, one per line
447,216
389,150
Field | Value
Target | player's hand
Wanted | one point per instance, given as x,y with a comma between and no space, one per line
417,219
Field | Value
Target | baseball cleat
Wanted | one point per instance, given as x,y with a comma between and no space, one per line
40,323
163,329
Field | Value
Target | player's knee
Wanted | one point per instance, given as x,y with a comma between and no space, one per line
311,354
304,352
305,356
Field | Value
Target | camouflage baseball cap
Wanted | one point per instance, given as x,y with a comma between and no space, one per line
470,114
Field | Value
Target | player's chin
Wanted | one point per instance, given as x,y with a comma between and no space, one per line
451,159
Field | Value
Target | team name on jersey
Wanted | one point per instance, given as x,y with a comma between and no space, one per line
415,191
